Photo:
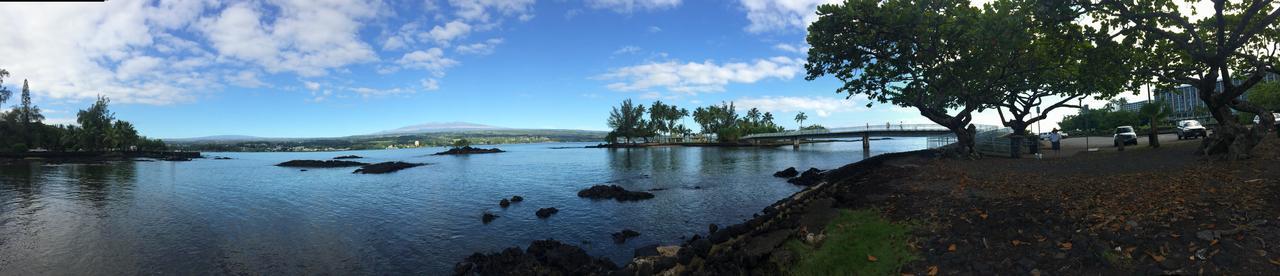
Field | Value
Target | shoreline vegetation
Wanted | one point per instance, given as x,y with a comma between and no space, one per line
724,144
78,157
922,213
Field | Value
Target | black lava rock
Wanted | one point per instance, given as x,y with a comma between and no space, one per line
808,178
613,192
517,199
787,173
320,164
386,167
468,150
547,212
712,228
621,237
544,257
488,217
645,251
348,157
504,203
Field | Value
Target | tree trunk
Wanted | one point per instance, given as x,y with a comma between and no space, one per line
1231,137
1017,138
1153,139
964,139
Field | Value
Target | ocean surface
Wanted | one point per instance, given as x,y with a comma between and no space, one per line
246,216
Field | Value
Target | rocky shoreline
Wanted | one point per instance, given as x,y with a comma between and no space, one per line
468,150
7,158
1097,213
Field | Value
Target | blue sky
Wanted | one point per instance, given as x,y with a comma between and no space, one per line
301,68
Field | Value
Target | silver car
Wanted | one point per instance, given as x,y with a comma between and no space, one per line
1190,129
1125,136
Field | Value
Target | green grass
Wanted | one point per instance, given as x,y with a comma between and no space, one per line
851,237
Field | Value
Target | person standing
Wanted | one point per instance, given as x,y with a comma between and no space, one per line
1056,140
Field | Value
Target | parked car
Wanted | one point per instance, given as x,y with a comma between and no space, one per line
1045,135
1125,135
1276,116
1190,129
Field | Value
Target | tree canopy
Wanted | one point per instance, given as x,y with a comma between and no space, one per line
24,128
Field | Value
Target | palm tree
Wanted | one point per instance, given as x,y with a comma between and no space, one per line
800,120
1157,112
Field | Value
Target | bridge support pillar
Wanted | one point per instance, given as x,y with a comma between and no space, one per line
795,143
866,142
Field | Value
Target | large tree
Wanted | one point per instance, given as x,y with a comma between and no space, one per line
95,125
932,55
627,121
1222,54
4,91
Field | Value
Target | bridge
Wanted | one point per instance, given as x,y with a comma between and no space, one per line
865,132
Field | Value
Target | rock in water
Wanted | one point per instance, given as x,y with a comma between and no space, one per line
544,257
613,192
517,199
547,212
787,173
468,150
504,203
621,237
808,178
386,167
488,217
348,157
320,164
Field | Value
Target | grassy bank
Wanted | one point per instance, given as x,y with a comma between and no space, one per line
858,242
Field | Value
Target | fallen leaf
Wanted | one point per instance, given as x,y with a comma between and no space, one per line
951,248
1275,262
1065,246
933,270
983,216
872,258
1155,257
1016,242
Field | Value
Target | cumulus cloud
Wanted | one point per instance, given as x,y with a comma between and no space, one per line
694,77
627,50
775,15
629,6
480,48
444,34
820,106
800,48
306,37
484,10
431,59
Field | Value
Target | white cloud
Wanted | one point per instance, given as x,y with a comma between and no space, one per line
430,84
311,85
482,10
801,48
629,6
693,77
776,15
480,48
432,60
446,33
654,29
627,50
246,79
307,37
820,106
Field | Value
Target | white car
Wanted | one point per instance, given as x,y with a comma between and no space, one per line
1276,116
1190,129
1125,136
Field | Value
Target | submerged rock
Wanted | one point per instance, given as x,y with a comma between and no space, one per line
787,173
176,159
348,157
546,212
222,158
488,217
808,178
613,192
544,257
468,150
517,199
386,167
504,203
320,164
624,235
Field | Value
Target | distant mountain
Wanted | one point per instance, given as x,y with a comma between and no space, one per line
219,138
438,127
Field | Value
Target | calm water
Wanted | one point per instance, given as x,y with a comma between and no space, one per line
247,216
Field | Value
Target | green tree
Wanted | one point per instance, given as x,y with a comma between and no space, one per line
627,121
721,120
1157,113
1267,96
4,91
935,56
461,143
95,124
124,135
1235,42
800,117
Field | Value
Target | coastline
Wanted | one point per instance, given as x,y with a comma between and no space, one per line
1089,214
722,144
93,156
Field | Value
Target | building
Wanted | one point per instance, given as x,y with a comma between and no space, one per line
1186,104
1133,106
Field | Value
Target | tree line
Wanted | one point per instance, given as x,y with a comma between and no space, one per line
629,122
23,128
949,59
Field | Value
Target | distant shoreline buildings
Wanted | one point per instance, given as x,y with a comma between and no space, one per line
1184,101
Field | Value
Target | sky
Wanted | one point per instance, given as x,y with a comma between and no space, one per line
328,68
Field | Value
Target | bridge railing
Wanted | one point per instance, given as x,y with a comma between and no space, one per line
868,128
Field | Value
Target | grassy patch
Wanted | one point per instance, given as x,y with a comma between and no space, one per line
851,238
